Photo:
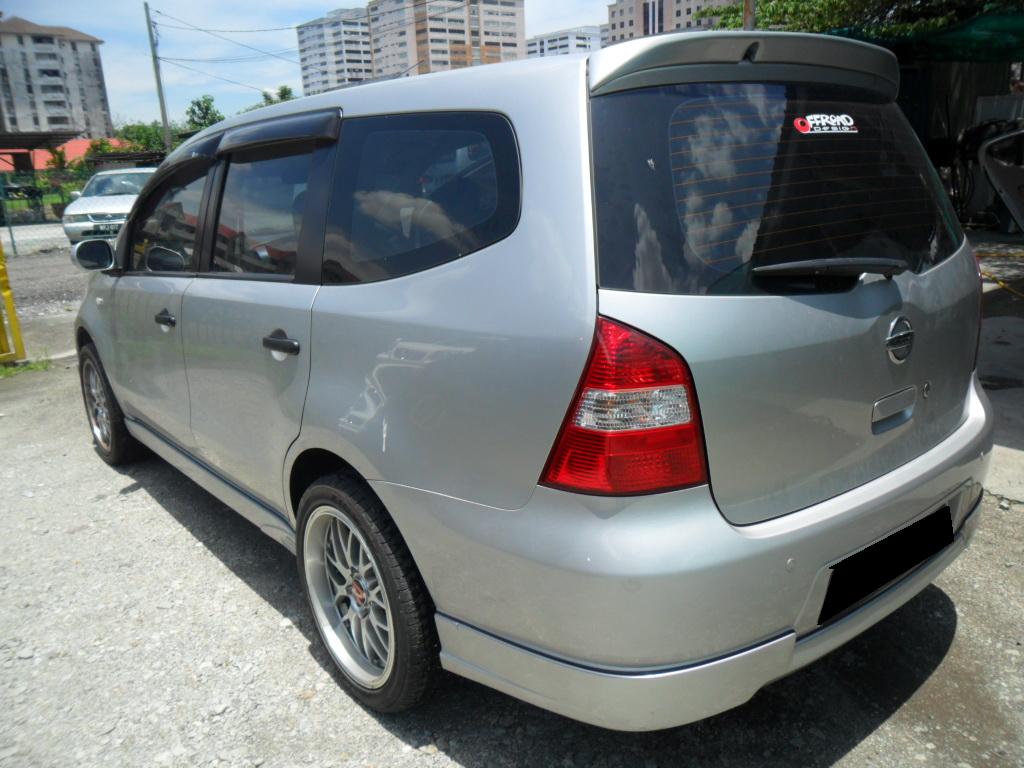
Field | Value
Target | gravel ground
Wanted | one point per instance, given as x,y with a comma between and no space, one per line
144,623
33,239
46,284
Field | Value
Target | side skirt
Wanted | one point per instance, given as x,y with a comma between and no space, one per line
267,519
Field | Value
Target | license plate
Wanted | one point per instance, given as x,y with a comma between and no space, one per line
107,230
859,577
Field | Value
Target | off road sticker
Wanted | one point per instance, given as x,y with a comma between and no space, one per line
825,123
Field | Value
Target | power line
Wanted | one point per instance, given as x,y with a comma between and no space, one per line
229,40
320,69
256,30
228,59
215,77
229,31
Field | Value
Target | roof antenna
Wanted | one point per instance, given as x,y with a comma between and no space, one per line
751,52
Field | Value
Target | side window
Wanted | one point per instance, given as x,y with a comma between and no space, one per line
164,235
416,191
261,212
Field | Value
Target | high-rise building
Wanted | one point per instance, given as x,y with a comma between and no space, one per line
335,50
51,79
409,37
628,19
419,36
564,41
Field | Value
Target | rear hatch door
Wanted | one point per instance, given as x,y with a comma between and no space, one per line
811,380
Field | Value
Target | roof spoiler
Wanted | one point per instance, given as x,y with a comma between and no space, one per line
690,57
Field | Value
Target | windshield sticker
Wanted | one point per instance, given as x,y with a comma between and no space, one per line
824,123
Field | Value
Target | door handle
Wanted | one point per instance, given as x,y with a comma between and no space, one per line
893,410
163,317
278,341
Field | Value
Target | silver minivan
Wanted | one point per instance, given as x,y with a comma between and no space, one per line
624,383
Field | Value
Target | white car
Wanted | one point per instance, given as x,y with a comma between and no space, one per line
100,209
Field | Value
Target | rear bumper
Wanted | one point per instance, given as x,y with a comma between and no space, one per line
671,697
649,612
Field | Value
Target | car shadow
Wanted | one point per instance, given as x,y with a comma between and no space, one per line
811,718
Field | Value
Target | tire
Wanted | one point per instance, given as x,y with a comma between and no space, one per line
110,436
343,525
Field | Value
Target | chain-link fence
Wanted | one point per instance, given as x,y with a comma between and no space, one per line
33,204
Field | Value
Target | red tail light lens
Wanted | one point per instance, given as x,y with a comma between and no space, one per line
633,426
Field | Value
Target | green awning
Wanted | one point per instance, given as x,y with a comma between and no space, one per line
991,37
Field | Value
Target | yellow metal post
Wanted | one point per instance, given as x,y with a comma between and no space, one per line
12,349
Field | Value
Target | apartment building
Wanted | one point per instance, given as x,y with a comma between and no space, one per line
637,18
409,37
51,79
335,50
564,42
414,37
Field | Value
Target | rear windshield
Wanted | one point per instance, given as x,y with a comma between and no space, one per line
697,184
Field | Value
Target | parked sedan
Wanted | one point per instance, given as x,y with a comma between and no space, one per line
101,208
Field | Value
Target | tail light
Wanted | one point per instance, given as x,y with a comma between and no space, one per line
633,426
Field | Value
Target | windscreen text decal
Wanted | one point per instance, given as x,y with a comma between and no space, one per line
825,123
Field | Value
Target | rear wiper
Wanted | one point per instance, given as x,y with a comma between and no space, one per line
839,267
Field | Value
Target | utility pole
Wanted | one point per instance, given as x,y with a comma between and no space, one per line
159,82
749,14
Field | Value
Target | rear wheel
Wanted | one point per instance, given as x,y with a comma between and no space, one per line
109,434
368,601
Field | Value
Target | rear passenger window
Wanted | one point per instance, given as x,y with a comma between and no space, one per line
164,239
416,191
261,213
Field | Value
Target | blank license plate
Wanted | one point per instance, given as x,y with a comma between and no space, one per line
860,576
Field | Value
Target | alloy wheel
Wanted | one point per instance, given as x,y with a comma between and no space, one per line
96,404
348,598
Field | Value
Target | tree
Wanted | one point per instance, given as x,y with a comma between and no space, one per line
58,160
143,137
283,93
882,18
99,147
201,113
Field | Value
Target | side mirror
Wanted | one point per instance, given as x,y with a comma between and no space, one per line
160,259
75,195
92,255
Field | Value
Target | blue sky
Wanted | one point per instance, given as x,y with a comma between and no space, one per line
129,72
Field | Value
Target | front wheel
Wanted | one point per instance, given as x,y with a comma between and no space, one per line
109,434
368,600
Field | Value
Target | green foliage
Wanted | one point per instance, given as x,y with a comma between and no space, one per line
143,137
99,147
201,113
283,93
7,371
878,18
58,159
